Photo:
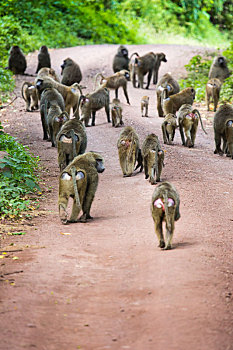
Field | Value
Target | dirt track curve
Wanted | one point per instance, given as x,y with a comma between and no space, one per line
107,285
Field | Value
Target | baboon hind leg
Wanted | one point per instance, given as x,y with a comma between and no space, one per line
159,232
87,202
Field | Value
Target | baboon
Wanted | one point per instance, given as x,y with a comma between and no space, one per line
43,58
48,72
153,158
17,62
223,129
174,102
129,151
70,94
70,72
115,81
90,164
144,105
213,88
121,59
116,113
148,63
188,120
168,128
219,69
54,118
166,86
93,102
49,96
30,96
165,207
71,142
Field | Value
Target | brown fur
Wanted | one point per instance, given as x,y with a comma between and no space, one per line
223,129
160,57
219,69
71,72
169,214
30,96
174,102
166,87
168,128
116,113
48,72
43,58
17,61
55,118
121,59
144,105
213,88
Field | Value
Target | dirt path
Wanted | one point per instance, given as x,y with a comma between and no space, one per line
107,285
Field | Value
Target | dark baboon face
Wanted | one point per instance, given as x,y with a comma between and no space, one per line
39,85
44,49
124,52
221,61
99,165
193,93
15,49
162,57
127,75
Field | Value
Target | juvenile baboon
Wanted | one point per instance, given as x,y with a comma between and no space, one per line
121,59
17,61
168,128
129,151
30,96
219,69
90,164
116,113
43,58
153,158
49,96
70,72
229,137
160,57
70,94
54,118
166,86
115,81
93,102
222,125
144,105
188,120
165,207
71,142
48,72
213,88
174,102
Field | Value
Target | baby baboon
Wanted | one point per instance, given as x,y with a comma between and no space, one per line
43,58
70,72
213,88
116,113
168,128
94,102
166,86
144,104
90,164
153,158
54,118
165,207
121,59
188,120
70,94
174,102
48,72
49,96
17,61
222,125
219,69
160,57
115,81
71,141
30,96
129,151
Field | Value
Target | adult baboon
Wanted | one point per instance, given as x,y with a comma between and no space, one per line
93,102
213,88
168,128
166,86
219,69
115,81
174,102
144,105
49,96
153,158
188,120
71,72
43,58
160,57
90,164
165,207
129,151
222,124
48,72
17,61
30,96
71,142
121,59
116,113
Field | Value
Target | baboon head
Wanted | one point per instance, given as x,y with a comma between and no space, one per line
122,51
44,49
162,57
221,61
67,62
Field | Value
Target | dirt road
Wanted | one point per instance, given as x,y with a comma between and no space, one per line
106,285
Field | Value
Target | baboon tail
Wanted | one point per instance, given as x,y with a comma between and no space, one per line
135,53
197,111
77,200
95,79
22,90
168,222
73,143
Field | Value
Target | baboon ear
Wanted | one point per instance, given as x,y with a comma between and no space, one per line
65,176
80,175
